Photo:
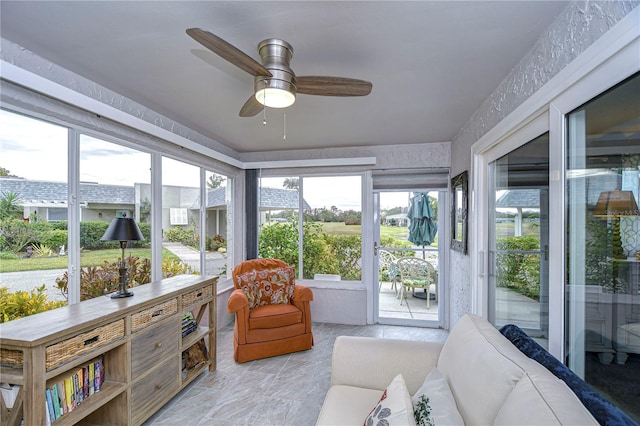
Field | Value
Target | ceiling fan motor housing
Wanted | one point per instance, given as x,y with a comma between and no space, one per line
275,55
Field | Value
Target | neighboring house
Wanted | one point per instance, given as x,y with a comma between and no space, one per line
44,200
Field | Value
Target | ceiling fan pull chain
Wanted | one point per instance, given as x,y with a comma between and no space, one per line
284,135
264,110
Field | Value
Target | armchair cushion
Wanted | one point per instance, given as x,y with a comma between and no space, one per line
269,286
272,316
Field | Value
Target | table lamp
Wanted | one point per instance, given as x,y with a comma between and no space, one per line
122,229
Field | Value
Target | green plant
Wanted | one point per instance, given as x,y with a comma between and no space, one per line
347,251
16,234
24,303
10,206
179,235
98,280
518,269
42,250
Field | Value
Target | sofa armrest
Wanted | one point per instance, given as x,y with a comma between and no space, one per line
372,363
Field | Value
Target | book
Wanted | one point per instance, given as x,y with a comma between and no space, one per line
79,386
85,381
56,401
97,379
92,377
74,384
47,414
61,396
68,394
50,413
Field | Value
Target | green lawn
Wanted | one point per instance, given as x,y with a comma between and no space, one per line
87,258
340,228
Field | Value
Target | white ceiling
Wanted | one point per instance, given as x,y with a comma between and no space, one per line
431,63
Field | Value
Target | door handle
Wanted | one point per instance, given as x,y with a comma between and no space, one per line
375,248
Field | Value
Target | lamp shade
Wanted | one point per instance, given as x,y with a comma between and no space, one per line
122,229
616,203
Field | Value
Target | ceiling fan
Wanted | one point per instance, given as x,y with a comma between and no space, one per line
275,83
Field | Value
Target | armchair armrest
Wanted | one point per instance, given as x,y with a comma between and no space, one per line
302,293
237,301
372,363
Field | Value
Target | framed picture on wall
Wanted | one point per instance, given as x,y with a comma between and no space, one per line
459,206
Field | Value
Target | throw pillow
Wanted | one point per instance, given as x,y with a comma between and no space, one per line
394,407
436,391
268,286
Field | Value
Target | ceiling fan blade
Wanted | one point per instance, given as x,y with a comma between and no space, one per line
228,52
251,107
332,86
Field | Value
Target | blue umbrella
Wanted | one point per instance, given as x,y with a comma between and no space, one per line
422,229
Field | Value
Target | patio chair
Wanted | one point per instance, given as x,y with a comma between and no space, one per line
388,269
417,273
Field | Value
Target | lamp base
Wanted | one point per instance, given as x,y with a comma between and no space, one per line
121,294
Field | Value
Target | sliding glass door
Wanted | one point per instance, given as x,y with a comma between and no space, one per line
603,244
519,238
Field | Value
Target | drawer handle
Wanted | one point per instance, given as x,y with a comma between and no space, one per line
158,345
199,294
90,341
157,313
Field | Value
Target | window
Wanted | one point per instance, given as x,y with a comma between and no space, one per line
33,196
603,222
328,210
111,177
180,214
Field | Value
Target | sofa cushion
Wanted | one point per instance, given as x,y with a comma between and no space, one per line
394,406
542,399
347,405
268,286
444,410
604,411
476,358
272,316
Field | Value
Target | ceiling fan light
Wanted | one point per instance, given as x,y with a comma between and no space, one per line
275,98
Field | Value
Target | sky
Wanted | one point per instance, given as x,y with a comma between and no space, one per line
37,150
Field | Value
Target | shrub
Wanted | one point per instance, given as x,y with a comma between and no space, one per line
215,242
516,269
98,280
346,249
23,303
16,234
179,235
54,238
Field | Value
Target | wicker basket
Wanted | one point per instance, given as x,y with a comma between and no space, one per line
154,314
11,358
196,296
60,353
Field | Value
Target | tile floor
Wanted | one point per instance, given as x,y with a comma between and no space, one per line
284,390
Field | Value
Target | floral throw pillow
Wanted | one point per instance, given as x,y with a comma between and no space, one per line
268,286
434,402
394,407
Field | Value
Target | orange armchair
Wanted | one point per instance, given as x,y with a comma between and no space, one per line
262,328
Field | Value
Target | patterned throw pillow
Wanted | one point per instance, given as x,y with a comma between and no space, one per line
268,286
394,408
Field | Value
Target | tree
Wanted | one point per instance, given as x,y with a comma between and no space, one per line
291,183
215,181
9,206
4,172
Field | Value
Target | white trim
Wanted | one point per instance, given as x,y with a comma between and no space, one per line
22,77
317,162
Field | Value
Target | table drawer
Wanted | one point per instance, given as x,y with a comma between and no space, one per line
155,390
148,349
196,296
156,313
62,352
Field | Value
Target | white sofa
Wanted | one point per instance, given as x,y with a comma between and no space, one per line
492,382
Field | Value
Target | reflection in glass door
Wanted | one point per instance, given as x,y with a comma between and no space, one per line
397,239
519,239
603,223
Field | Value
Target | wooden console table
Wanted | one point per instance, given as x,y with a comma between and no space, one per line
137,341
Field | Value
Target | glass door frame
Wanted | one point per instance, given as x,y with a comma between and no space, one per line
443,262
